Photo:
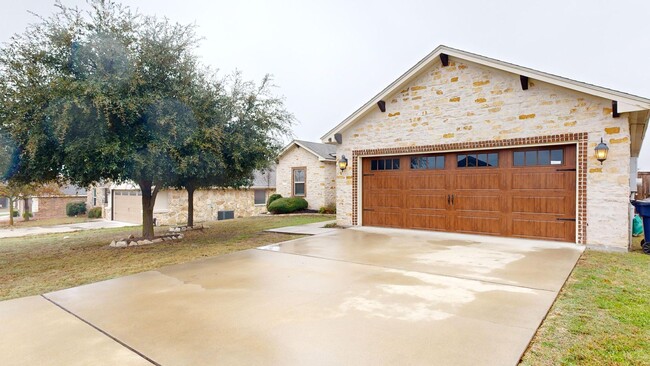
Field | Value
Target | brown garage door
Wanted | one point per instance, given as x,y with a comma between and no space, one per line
526,193
127,206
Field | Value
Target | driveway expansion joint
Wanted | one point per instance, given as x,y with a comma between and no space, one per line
102,331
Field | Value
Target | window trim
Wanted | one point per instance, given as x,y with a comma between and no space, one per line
293,182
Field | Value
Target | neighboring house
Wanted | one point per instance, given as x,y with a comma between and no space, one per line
464,143
308,169
123,202
51,206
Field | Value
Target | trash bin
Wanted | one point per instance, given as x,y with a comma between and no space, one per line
643,208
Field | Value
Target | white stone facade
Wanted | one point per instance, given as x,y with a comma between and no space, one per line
468,102
320,179
171,205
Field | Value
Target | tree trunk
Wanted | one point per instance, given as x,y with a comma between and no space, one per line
26,209
190,204
11,211
148,202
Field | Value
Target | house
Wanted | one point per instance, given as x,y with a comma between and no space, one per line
123,202
53,204
468,144
308,169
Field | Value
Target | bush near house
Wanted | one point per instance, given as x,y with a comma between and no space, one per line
287,205
329,209
95,213
27,215
16,213
75,208
272,198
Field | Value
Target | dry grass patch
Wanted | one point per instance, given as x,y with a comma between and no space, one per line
39,264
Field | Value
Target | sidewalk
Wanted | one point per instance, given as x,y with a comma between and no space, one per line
38,230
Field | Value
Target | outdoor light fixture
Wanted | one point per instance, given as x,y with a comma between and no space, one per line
343,163
601,151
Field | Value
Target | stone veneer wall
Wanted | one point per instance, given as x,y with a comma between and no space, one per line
207,202
466,102
320,177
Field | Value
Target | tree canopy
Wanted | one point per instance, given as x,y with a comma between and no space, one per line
110,94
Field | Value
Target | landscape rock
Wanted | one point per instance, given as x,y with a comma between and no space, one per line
120,244
158,240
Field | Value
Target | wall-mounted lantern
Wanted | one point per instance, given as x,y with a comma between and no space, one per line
601,151
343,163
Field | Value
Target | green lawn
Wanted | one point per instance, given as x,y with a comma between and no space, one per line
39,264
602,315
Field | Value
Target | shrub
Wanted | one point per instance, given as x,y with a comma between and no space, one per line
328,209
75,208
16,213
272,198
27,215
287,205
95,213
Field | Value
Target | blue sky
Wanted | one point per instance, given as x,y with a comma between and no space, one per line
328,58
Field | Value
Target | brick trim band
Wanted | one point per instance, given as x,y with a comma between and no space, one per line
581,175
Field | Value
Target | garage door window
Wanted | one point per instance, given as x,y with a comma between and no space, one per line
384,164
478,160
538,157
428,162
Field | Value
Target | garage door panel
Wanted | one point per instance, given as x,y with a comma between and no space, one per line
421,220
428,201
385,218
478,181
478,203
386,200
427,182
552,230
539,180
127,206
473,224
388,181
539,205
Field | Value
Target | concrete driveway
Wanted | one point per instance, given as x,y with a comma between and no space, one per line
350,297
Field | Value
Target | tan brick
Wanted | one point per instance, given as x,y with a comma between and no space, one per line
612,130
527,116
619,141
454,99
480,100
454,79
393,114
419,87
481,83
448,135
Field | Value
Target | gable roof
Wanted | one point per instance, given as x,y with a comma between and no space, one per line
324,152
264,178
625,102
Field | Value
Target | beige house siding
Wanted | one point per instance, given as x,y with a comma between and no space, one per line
467,102
171,205
320,177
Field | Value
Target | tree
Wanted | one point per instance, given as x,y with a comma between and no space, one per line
108,94
246,114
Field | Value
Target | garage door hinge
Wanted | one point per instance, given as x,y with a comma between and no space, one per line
565,170
562,219
368,175
368,209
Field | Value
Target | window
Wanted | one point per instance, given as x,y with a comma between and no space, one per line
384,164
94,197
538,157
473,160
428,162
299,182
260,196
